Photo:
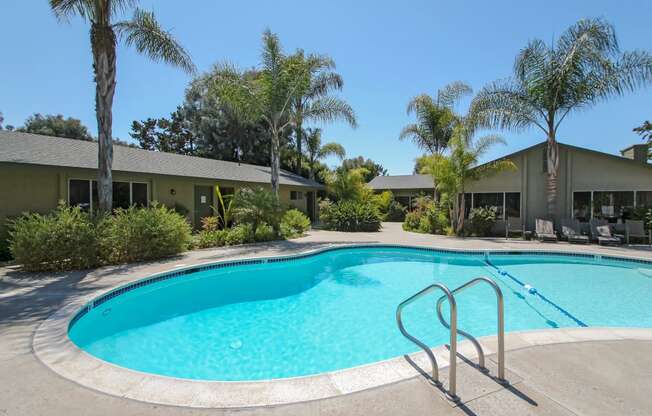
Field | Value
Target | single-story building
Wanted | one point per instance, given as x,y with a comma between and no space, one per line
591,184
404,187
38,171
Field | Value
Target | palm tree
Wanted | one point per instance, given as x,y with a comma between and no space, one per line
317,151
268,95
312,99
143,32
436,117
452,172
583,67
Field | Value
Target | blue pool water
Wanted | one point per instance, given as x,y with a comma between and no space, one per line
337,309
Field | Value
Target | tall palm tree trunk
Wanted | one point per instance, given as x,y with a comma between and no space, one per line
552,155
103,43
298,132
275,162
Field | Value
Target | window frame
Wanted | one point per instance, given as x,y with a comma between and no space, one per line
504,193
591,191
90,188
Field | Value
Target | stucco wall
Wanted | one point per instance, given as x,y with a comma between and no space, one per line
579,170
39,188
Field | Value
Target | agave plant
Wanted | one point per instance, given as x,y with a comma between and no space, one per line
141,31
585,66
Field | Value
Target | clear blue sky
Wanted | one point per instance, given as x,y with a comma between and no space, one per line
387,52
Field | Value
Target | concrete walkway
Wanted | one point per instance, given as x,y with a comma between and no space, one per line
588,378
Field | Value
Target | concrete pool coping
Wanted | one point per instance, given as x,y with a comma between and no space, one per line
53,348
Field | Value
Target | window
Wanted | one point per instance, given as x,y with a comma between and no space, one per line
644,199
612,205
403,200
121,195
582,206
79,193
296,195
513,204
84,193
139,194
489,200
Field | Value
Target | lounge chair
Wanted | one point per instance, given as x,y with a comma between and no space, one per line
545,230
601,232
570,229
636,229
513,225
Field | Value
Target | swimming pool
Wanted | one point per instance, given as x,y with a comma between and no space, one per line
304,315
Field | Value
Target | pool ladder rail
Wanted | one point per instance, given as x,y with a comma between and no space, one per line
449,295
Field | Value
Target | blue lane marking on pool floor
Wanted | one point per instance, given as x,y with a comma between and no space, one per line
537,293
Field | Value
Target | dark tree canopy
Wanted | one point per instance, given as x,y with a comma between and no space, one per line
645,131
373,169
55,125
203,126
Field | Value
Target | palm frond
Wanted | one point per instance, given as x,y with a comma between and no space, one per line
329,109
145,33
324,82
453,92
334,149
92,10
504,105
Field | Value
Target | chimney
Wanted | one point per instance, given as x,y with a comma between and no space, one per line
637,152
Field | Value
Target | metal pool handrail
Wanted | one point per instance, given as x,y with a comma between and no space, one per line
452,330
501,323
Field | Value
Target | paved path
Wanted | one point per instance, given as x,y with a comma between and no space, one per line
587,378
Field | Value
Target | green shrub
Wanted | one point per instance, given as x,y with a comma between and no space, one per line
265,232
211,223
240,234
351,216
256,206
62,240
216,238
428,217
482,220
395,212
136,234
412,221
294,224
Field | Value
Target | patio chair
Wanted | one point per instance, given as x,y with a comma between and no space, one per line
636,229
513,225
545,230
601,231
570,229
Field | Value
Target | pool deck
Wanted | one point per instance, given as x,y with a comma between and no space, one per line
594,374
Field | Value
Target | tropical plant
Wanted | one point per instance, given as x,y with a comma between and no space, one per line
482,220
585,66
350,215
256,206
224,211
348,185
268,94
312,101
452,172
294,224
145,34
436,117
318,152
